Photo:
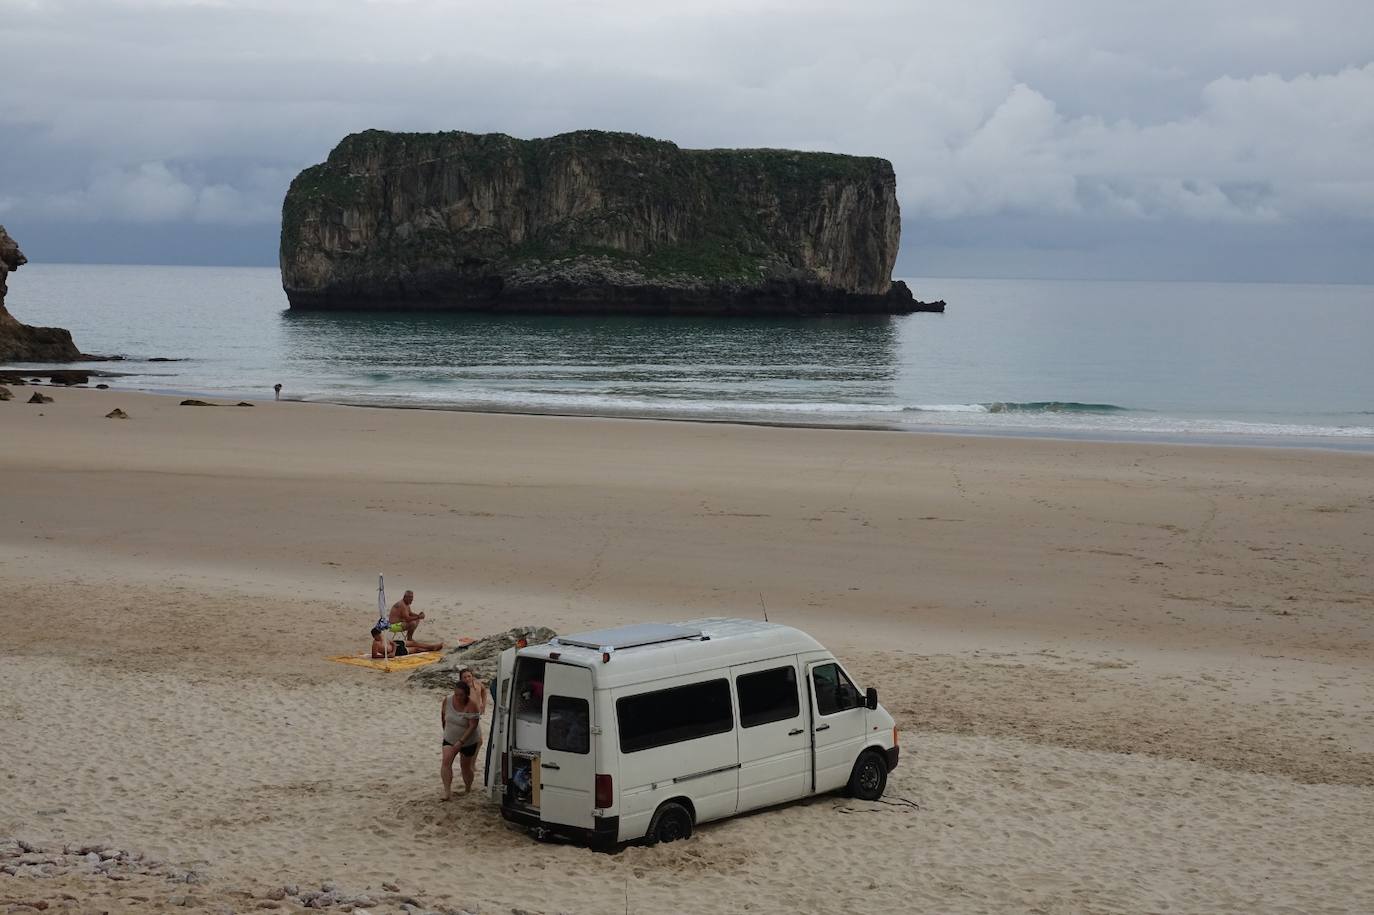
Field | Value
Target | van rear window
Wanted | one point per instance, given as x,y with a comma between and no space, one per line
669,716
767,696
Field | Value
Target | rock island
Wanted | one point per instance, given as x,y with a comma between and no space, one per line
591,222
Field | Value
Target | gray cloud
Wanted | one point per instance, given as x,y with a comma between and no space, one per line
1049,126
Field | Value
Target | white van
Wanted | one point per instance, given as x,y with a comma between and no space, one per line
646,730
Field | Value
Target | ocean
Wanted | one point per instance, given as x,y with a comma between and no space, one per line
1179,362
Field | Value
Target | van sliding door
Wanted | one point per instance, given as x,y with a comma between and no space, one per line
774,751
567,772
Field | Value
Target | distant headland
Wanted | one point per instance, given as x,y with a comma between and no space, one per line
591,222
20,342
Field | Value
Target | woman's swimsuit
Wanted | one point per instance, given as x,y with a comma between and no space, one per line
455,723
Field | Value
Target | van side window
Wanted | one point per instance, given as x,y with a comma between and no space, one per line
834,691
673,715
569,729
767,696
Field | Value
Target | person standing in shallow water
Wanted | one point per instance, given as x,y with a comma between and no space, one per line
276,390
462,736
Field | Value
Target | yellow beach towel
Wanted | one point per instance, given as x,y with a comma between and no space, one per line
406,662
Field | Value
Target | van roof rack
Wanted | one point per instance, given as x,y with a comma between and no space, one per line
628,636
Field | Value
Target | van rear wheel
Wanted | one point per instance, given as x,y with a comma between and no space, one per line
869,778
671,822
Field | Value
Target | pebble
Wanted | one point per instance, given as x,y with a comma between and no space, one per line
328,886
176,900
292,889
391,887
278,894
92,858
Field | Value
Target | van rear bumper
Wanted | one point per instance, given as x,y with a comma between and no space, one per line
604,830
892,756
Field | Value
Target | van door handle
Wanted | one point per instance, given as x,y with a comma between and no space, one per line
824,727
795,731
550,766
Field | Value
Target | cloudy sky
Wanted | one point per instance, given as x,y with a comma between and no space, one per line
1209,139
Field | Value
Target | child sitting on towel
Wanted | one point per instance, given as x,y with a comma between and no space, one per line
383,649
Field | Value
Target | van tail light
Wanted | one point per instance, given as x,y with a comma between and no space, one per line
505,767
895,742
605,792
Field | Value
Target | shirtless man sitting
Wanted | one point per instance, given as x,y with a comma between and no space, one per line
382,649
401,613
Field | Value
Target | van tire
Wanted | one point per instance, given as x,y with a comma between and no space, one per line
869,778
671,822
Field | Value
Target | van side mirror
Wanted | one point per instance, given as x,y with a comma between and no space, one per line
871,698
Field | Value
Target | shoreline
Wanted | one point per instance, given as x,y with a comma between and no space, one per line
1333,443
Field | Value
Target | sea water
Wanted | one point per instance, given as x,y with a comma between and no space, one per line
1207,362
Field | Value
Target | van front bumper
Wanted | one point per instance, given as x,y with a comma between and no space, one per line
892,756
604,830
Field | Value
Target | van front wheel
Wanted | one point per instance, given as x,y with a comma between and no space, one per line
671,822
869,778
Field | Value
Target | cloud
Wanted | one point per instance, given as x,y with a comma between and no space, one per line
1224,113
153,192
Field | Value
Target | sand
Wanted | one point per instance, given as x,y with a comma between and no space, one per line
1129,678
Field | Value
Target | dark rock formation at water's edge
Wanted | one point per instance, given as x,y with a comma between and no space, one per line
591,222
20,342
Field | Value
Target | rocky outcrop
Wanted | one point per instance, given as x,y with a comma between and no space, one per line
483,656
590,222
20,342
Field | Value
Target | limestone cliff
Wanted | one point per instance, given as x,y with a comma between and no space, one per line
590,221
20,342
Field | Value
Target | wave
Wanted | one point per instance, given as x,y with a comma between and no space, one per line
1030,406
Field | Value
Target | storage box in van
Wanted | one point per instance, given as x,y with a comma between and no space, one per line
644,731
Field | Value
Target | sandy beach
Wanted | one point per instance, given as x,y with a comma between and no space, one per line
1129,677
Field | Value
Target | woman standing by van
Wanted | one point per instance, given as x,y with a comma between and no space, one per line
461,719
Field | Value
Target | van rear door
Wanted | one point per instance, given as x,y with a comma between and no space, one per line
567,772
497,750
773,745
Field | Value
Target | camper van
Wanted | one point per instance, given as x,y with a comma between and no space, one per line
643,731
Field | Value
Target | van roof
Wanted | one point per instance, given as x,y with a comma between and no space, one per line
654,651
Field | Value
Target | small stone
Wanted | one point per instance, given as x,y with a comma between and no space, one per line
107,854
195,877
328,886
389,887
40,398
243,403
292,889
366,902
5,393
91,858
116,413
279,893
195,403
178,899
